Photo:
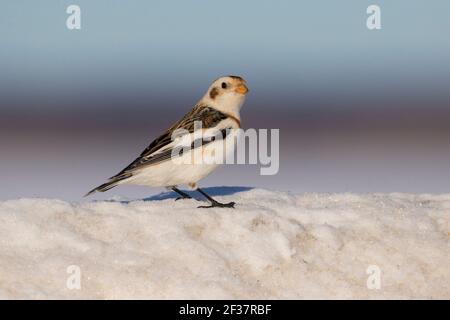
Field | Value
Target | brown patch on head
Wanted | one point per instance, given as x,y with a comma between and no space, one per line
213,93
236,78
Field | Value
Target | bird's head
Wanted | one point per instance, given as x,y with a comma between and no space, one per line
226,94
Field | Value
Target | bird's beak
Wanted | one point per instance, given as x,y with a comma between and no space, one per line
242,89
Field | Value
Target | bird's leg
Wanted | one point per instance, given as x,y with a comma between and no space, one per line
215,203
181,193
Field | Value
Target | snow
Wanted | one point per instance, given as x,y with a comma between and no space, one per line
273,245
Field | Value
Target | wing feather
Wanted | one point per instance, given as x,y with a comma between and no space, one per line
207,115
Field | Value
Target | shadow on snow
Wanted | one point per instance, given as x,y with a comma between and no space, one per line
212,191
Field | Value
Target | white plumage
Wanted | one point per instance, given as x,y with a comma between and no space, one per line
217,111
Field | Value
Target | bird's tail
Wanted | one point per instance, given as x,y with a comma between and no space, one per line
102,188
111,183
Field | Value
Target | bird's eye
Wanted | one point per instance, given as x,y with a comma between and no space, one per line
224,85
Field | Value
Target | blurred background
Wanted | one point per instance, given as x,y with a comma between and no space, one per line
358,110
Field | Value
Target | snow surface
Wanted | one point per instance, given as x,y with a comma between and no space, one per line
273,245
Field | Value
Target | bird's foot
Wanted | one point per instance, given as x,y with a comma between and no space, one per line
183,197
217,204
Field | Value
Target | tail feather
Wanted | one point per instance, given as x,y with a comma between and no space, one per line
112,182
102,188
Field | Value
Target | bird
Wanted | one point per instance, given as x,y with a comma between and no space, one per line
217,111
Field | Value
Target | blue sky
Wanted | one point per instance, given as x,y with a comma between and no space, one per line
298,45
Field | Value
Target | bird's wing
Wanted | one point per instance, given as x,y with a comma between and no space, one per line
161,148
208,116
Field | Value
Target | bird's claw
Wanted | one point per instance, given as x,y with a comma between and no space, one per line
219,205
181,198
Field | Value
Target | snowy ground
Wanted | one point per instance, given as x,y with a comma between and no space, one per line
273,245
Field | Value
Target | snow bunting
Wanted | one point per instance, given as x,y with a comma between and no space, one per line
219,109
